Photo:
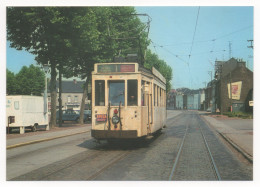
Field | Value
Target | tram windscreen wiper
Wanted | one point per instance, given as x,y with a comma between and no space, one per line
115,96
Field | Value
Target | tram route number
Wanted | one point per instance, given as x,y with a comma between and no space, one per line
101,117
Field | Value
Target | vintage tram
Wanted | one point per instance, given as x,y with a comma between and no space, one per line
128,101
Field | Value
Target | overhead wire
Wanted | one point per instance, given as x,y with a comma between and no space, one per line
210,40
194,33
170,53
193,41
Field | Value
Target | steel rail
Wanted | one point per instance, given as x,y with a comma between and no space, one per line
210,155
100,171
178,155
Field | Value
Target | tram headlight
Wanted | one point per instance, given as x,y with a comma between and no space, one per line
115,119
115,111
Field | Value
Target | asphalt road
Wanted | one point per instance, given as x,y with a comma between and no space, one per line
79,157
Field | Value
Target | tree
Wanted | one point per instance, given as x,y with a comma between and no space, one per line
114,31
74,37
44,32
11,84
30,80
152,60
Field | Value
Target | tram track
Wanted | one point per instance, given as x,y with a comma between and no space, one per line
96,164
108,165
211,157
189,129
186,150
95,161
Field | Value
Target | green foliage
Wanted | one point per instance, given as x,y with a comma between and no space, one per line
239,115
11,84
152,60
29,81
76,37
101,33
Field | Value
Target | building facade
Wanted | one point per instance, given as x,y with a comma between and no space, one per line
232,87
72,93
184,98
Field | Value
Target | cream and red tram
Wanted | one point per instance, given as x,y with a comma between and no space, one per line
128,101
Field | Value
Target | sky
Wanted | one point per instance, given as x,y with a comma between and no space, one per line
188,38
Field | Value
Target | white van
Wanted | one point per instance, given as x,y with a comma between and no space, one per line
26,111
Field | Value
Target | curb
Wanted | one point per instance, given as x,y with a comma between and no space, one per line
235,146
43,140
240,150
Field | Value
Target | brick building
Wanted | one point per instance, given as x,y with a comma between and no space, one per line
234,72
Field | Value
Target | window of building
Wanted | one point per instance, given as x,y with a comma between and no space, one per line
69,99
100,93
75,98
132,92
16,105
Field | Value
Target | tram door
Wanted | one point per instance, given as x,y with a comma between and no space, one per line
148,103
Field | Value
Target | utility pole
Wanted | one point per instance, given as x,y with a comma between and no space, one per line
230,49
230,77
210,73
251,46
60,92
211,90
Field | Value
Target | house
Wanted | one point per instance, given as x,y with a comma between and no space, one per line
72,92
225,97
171,99
185,98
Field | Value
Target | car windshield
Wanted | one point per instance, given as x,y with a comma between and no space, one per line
87,112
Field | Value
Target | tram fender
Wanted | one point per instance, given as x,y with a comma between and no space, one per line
104,134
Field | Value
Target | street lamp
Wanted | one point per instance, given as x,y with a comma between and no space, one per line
45,68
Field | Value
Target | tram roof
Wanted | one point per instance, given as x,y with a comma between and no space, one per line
125,67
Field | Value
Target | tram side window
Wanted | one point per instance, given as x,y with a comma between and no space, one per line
154,94
132,92
99,93
142,93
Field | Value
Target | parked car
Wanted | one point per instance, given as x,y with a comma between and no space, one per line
88,114
70,115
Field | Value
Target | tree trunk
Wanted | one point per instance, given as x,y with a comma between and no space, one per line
82,106
53,95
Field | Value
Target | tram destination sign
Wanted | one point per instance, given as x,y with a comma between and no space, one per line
115,68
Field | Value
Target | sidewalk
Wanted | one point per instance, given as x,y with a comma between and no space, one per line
238,132
16,140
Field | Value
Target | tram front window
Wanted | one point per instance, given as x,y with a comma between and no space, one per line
116,93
